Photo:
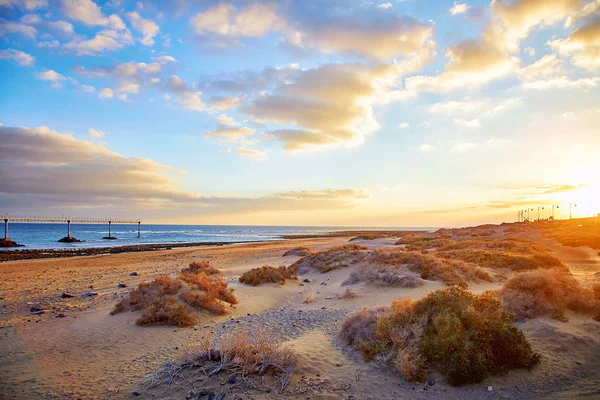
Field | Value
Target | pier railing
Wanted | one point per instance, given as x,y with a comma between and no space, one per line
68,220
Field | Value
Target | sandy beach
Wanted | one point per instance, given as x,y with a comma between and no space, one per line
76,350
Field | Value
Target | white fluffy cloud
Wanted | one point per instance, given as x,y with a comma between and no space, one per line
146,27
89,13
583,45
103,41
459,8
226,20
52,76
17,55
252,154
379,37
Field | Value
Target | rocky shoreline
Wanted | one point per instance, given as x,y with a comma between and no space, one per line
32,254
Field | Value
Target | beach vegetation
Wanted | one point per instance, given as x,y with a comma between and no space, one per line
465,336
264,274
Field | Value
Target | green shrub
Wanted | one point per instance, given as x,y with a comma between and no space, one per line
464,335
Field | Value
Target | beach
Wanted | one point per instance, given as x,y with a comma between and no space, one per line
76,350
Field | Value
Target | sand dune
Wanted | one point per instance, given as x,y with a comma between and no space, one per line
90,354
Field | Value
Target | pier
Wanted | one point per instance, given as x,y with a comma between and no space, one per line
68,220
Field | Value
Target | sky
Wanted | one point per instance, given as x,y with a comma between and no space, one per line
336,113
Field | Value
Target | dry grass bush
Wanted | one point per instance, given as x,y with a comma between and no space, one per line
431,267
334,258
358,330
364,237
213,285
501,259
266,273
428,243
308,299
547,292
298,251
385,275
409,239
348,294
572,233
236,353
472,231
201,266
465,336
173,301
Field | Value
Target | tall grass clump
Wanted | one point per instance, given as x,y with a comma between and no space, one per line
266,273
240,353
464,335
540,293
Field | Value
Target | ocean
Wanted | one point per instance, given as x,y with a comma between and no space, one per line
46,235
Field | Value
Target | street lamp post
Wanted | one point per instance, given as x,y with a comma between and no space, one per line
539,212
571,205
553,206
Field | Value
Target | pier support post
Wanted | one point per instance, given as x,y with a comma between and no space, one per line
109,234
139,223
68,228
5,228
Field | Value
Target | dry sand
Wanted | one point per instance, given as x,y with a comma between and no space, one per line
88,354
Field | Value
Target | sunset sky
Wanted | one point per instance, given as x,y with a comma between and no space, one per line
357,113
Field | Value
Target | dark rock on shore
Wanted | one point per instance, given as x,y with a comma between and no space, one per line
133,274
69,239
9,243
66,295
89,294
122,285
109,238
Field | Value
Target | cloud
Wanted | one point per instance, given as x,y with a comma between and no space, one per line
225,20
459,8
226,120
486,107
385,6
403,125
378,35
146,27
165,59
186,97
106,93
252,154
328,106
583,45
52,76
89,13
230,134
105,40
11,27
545,66
424,148
57,171
28,5
17,55
473,62
490,144
562,82
96,133
62,28
129,77
474,123
226,102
